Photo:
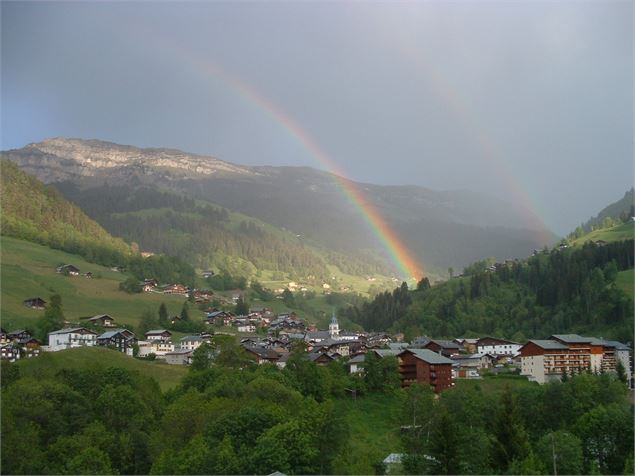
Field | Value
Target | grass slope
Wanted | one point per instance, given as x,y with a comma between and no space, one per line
625,231
28,270
49,363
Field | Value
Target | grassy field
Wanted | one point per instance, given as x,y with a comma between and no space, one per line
49,363
626,282
626,231
28,270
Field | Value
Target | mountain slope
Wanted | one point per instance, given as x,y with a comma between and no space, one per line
442,229
617,210
34,212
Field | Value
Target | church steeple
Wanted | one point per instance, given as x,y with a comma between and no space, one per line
334,327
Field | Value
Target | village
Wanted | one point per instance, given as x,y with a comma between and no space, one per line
433,362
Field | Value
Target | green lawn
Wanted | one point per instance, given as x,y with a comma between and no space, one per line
626,231
28,270
49,363
626,282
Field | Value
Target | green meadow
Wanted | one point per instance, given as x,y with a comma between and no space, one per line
625,231
626,282
28,270
49,363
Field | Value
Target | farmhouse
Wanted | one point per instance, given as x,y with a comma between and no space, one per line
192,342
35,303
158,334
103,320
443,347
68,269
121,339
179,357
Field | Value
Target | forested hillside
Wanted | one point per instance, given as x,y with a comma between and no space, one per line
202,234
39,213
564,291
620,210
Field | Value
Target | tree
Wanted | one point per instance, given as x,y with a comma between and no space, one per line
131,285
512,443
53,318
185,314
287,297
89,460
163,315
201,358
417,418
561,453
621,372
423,285
451,271
148,321
242,307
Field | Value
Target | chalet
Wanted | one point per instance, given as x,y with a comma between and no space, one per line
121,339
356,363
68,269
28,347
88,275
207,274
419,342
321,358
191,342
217,317
492,345
443,347
3,336
35,303
246,327
467,366
333,346
282,361
262,356
103,320
149,285
425,367
71,338
158,334
600,243
202,295
9,351
179,357
469,345
176,289
18,335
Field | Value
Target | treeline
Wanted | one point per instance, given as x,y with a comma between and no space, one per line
581,426
231,416
560,292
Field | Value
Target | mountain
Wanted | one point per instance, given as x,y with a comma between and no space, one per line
624,207
442,229
39,213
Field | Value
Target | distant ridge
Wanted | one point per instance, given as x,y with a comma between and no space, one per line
441,228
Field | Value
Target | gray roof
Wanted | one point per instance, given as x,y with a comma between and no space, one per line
192,338
358,359
616,344
447,344
428,356
548,344
108,335
157,331
387,352
572,338
100,316
72,329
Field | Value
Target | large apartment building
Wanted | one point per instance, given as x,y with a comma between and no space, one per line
547,360
425,367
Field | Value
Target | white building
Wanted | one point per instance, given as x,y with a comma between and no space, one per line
492,345
156,347
191,342
71,338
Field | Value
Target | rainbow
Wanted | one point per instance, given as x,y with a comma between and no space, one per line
399,254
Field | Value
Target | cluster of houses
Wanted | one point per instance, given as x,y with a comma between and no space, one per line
434,362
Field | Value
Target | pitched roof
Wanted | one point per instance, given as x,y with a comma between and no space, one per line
616,344
572,338
157,331
100,316
192,338
387,352
358,359
428,356
72,329
446,344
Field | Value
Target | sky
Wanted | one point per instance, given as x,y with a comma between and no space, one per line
528,101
